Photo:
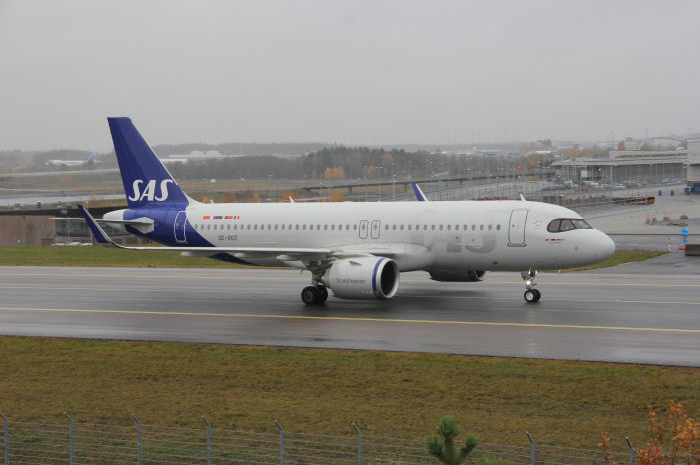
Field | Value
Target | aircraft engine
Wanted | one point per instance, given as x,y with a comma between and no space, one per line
363,278
457,276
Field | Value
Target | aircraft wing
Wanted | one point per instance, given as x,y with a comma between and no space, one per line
290,253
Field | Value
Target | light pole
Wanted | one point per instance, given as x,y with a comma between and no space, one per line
393,187
269,177
366,173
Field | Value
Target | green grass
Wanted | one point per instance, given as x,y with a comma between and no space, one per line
324,391
102,256
623,256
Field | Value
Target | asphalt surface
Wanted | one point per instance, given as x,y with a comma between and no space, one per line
640,313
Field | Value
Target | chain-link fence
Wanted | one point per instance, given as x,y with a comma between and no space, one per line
71,443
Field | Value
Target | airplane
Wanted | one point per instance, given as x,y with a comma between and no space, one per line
357,250
91,158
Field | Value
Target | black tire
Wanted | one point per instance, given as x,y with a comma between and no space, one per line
323,293
310,295
538,295
530,296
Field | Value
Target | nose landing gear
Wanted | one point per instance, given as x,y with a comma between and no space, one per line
531,295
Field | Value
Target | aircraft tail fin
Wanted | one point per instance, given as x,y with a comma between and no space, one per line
147,183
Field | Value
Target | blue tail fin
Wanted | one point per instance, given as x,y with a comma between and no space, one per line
146,181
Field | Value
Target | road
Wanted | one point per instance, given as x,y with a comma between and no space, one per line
650,314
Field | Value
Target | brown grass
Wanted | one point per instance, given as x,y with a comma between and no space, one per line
325,391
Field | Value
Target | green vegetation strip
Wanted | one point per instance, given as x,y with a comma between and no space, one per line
623,256
102,256
400,395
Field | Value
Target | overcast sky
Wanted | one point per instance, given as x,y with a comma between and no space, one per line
353,72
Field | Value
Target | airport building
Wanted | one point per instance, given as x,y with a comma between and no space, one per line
628,166
693,163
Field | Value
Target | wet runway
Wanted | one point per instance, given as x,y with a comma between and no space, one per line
621,317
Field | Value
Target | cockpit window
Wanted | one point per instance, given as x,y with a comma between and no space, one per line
567,224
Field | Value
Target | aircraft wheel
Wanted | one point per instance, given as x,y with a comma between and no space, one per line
532,296
323,293
311,295
538,295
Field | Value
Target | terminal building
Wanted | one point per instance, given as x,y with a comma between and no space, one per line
630,167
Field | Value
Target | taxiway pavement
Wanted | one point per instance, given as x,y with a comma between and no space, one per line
650,316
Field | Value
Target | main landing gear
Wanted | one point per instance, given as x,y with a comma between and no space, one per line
531,295
314,295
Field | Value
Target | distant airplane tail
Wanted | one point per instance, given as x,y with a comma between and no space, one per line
92,157
147,183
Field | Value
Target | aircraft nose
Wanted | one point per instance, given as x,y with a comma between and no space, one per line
606,246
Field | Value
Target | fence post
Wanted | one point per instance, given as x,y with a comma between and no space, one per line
281,442
6,436
533,449
71,439
208,440
359,444
629,444
138,438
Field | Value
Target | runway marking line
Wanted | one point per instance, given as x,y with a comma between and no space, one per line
439,296
354,319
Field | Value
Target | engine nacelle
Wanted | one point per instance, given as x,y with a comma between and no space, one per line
457,276
363,278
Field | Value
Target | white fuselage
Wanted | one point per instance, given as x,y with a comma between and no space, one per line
467,235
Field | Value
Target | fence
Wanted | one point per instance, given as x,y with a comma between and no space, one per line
71,443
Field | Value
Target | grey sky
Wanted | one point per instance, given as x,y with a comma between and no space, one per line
354,72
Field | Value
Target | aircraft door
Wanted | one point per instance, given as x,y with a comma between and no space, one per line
516,230
180,222
376,229
363,229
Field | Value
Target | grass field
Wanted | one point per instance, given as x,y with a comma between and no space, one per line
324,391
102,256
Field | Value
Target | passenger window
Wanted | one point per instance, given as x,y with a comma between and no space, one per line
332,227
269,226
432,226
235,226
401,227
255,227
440,227
409,227
425,227
228,227
276,226
304,227
325,227
473,227
498,227
208,226
465,227
386,227
481,227
490,227
296,227
354,227
283,227
449,227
